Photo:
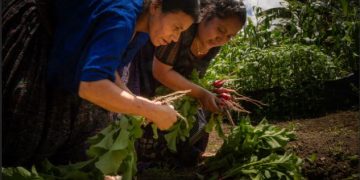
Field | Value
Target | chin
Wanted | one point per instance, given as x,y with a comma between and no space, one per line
156,44
211,45
153,41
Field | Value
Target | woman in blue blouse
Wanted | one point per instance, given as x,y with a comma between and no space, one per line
90,44
44,114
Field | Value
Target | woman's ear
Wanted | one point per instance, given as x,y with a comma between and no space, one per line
155,6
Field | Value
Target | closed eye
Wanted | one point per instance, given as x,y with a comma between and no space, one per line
230,36
178,28
222,31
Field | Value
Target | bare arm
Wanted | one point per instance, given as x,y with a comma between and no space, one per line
175,81
109,96
120,83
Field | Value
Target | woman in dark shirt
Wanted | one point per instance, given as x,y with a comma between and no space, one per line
171,65
44,116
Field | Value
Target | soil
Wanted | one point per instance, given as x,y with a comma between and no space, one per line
329,145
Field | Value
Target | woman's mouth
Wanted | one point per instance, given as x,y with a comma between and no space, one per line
163,42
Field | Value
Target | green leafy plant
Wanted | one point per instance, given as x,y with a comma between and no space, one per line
114,147
255,152
289,53
111,152
188,107
20,173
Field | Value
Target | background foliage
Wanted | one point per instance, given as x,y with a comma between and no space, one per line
288,56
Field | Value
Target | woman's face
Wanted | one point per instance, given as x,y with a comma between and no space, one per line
216,32
165,28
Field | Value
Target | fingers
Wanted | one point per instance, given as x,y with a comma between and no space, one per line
165,118
112,178
211,106
165,125
221,104
210,103
207,100
214,106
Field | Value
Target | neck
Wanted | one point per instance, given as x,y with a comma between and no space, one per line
142,23
198,47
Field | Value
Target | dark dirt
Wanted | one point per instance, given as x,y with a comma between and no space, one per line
329,146
333,141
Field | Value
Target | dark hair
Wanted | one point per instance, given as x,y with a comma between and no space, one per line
223,9
189,7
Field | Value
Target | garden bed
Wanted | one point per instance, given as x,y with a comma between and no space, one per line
329,146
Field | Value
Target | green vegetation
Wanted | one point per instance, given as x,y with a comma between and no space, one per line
255,152
290,53
111,152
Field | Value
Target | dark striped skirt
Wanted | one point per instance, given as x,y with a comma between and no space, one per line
38,121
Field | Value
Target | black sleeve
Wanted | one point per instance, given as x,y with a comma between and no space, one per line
167,54
210,57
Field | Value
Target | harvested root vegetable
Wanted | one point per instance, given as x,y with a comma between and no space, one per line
218,83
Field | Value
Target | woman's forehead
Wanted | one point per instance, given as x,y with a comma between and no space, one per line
180,18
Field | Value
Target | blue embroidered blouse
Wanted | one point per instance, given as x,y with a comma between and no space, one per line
92,39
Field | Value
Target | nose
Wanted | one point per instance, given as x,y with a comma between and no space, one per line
175,37
220,40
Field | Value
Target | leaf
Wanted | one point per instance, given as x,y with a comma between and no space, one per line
136,121
155,131
124,122
210,125
312,158
219,130
76,174
185,108
98,137
33,170
171,140
257,177
110,162
122,140
78,165
46,165
107,141
106,130
19,173
95,151
95,139
249,171
137,132
101,147
272,142
267,174
129,168
252,151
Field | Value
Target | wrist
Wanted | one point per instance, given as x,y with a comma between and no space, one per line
146,108
198,92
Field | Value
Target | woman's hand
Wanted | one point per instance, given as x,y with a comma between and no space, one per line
175,81
162,115
208,100
165,118
112,178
